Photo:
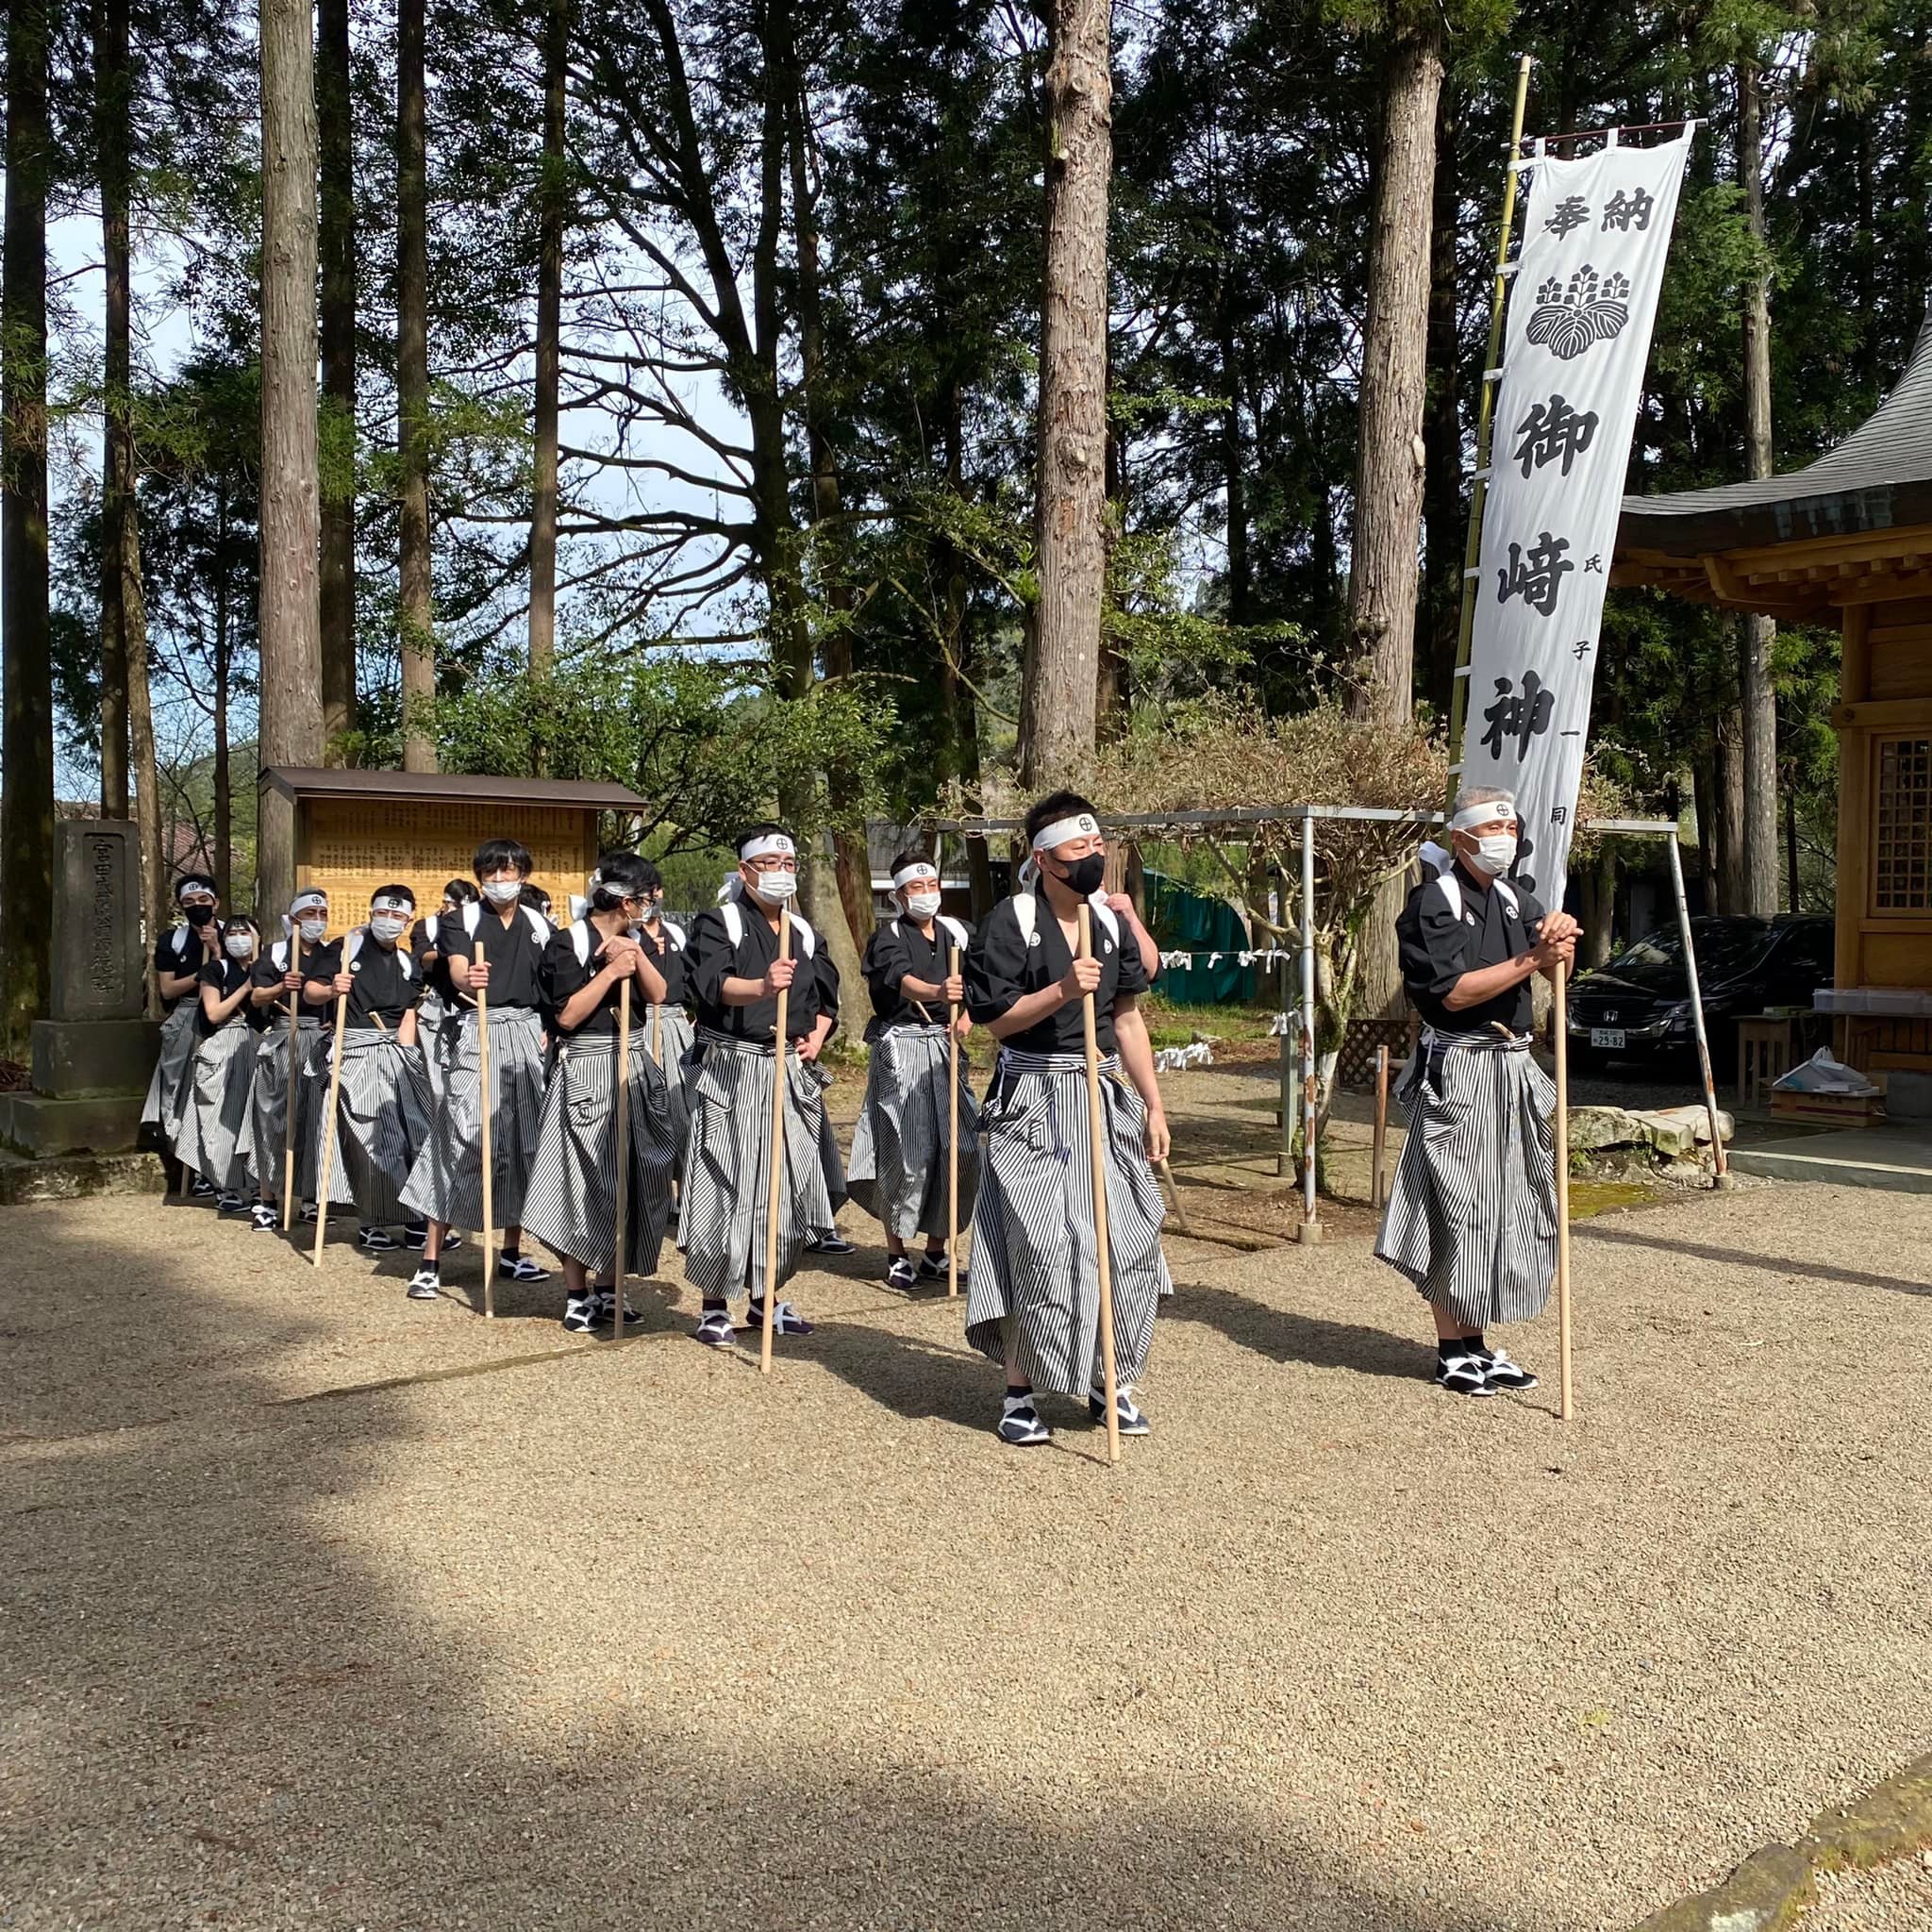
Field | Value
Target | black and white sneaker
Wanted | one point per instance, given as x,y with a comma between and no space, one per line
1500,1373
416,1235
308,1213
1133,1418
262,1218
520,1267
828,1240
580,1312
426,1285
1019,1425
607,1301
715,1329
787,1321
203,1190
1463,1374
932,1265
379,1240
229,1201
902,1275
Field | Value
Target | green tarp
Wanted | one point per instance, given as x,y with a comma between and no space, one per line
1186,921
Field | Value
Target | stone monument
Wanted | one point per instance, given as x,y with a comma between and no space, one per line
93,1055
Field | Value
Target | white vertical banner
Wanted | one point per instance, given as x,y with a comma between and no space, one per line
1581,308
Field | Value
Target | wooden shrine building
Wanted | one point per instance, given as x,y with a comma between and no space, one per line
1846,541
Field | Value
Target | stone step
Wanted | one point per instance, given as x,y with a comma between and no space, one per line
69,1177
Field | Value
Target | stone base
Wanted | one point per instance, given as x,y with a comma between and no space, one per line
72,1177
39,1126
84,1059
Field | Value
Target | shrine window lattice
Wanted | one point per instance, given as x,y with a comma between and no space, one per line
1902,854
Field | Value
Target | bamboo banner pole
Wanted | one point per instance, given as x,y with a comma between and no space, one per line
1567,1403
778,1149
329,1126
289,1108
1101,1238
486,1234
621,1253
1479,487
953,1138
1375,1193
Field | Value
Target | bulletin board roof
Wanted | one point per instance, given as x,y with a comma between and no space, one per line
309,781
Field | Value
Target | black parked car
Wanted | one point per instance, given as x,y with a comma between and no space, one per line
1639,1006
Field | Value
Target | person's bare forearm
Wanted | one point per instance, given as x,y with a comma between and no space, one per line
650,979
912,989
742,993
1486,982
1028,1011
176,986
586,1000
1136,1055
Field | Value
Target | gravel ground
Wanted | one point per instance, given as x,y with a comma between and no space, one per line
551,1633
1895,1898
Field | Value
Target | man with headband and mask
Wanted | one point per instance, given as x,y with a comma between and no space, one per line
446,1184
1472,1217
899,1154
1033,1295
736,976
667,1025
282,968
180,953
383,1105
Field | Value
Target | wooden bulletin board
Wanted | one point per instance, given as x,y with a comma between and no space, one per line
348,848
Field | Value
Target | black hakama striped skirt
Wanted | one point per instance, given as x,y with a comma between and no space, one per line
446,1183
900,1157
214,1126
1472,1217
1035,1256
722,1209
170,1087
382,1121
267,1112
669,1037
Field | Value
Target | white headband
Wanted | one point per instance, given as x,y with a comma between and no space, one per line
1472,815
1081,825
920,869
392,901
303,901
765,844
200,888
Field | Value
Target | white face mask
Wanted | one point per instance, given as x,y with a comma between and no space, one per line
387,926
503,891
776,888
1495,852
922,904
239,944
311,929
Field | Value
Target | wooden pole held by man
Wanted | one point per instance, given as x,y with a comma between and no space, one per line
953,1134
621,1253
288,1099
329,1124
779,1043
1375,1191
486,1233
1096,1125
1560,1021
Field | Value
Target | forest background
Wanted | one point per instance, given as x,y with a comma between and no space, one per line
680,412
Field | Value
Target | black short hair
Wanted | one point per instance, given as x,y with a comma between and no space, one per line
494,854
196,878
620,877
649,878
763,829
537,896
1055,805
395,891
237,920
911,856
462,891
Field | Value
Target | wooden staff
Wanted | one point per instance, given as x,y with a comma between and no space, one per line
952,1137
777,1150
483,1084
328,1122
289,1110
618,1254
1102,1240
1173,1188
1381,1123
1567,1405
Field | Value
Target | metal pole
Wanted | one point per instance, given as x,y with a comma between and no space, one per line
1720,1171
1310,1229
1284,1152
1479,487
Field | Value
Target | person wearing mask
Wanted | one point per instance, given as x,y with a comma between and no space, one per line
570,1205
668,946
1033,1292
282,968
736,976
901,1164
214,1128
438,1019
445,1186
1472,1216
181,953
383,1101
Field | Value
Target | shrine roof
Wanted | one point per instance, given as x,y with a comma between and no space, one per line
1878,478
309,781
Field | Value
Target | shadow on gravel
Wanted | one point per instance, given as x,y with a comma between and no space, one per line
1284,1335
218,1710
1735,1258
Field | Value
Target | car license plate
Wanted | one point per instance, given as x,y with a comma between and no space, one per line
1607,1036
